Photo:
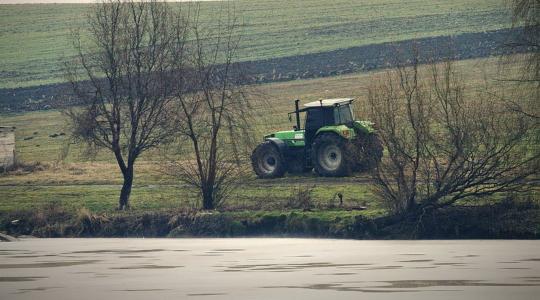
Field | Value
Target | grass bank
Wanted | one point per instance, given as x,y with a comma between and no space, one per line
507,219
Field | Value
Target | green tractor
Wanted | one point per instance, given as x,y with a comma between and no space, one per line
332,142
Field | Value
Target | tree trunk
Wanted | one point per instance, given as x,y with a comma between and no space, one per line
123,202
208,197
411,205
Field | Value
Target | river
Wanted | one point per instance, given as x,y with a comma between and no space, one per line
268,268
76,1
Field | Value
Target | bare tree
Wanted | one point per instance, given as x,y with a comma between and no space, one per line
124,75
526,81
526,14
444,143
213,113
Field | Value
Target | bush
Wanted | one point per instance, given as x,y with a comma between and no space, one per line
87,224
19,167
301,198
443,145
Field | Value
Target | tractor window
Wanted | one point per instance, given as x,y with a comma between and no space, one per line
343,114
315,119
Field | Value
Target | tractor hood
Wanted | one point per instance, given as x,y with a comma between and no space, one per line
364,126
290,137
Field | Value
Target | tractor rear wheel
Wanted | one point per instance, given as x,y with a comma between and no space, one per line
331,157
267,161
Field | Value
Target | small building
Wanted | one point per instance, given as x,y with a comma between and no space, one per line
7,147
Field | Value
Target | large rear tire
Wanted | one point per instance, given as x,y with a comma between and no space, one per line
331,156
267,161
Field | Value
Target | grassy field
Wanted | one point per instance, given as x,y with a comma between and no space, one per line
76,181
34,37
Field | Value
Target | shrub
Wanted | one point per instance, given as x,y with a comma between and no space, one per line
301,198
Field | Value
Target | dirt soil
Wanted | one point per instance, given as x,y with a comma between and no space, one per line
324,64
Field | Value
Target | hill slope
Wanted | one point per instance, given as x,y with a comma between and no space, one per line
34,37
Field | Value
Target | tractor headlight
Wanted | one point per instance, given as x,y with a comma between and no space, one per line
346,133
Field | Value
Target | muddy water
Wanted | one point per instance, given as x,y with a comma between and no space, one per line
268,269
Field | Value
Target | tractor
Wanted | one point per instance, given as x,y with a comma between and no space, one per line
332,143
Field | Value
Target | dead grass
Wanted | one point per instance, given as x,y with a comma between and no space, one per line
82,173
22,168
301,198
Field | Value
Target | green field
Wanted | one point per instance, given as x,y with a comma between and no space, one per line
34,37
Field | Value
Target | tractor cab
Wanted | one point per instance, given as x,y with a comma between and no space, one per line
323,113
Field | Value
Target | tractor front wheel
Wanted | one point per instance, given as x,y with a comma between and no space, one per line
267,161
331,157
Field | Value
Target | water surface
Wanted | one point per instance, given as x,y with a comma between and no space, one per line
268,268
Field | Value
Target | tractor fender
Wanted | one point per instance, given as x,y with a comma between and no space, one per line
280,145
339,130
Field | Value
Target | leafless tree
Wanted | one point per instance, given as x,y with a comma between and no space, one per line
526,81
445,143
213,113
124,75
526,14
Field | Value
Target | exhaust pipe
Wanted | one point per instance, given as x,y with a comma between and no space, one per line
297,113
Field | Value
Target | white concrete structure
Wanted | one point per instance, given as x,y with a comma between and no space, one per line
7,146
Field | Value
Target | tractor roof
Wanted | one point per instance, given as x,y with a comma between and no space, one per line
329,102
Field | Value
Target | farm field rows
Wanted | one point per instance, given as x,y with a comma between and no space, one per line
35,37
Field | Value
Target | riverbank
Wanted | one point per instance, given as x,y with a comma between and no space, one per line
504,220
